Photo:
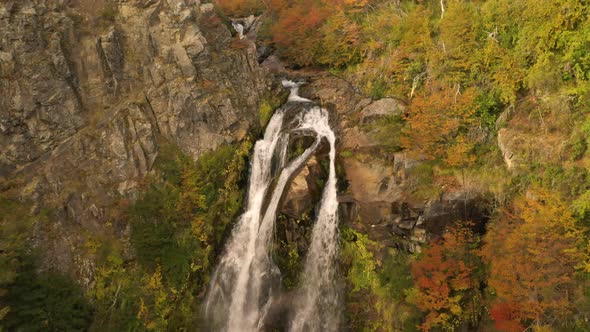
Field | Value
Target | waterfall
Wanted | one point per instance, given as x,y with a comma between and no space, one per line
230,304
317,301
246,280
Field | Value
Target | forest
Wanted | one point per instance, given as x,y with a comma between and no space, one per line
478,77
461,66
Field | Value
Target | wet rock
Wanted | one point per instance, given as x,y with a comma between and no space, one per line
378,198
299,196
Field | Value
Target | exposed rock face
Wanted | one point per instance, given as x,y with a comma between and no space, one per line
86,95
298,199
380,108
377,200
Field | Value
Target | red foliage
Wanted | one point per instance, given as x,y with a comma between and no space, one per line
506,317
532,250
444,276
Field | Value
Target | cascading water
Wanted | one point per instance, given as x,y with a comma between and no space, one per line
246,280
230,304
317,301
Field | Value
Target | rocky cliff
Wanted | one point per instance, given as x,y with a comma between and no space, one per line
90,89
379,193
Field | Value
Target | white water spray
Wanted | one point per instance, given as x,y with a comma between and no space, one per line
317,301
246,280
229,304
294,94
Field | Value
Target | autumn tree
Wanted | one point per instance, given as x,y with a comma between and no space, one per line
435,120
533,250
341,41
459,37
295,29
506,317
240,8
446,280
397,46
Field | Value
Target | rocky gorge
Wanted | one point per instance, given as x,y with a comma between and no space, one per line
95,94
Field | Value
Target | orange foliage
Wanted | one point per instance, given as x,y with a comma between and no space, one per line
349,5
297,29
532,251
444,276
434,121
340,44
505,316
239,7
460,153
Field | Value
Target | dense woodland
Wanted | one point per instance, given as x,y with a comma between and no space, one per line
460,66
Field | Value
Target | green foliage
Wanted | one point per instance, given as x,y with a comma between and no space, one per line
581,208
377,88
264,113
361,274
346,154
394,276
571,181
177,224
157,245
268,105
116,294
28,300
387,131
578,142
46,302
579,147
287,256
489,108
15,226
422,185
382,282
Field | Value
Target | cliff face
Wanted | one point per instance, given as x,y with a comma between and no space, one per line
379,195
88,89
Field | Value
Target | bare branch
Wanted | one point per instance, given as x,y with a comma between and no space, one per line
493,35
415,82
116,297
458,92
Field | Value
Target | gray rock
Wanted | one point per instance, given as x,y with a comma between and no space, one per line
84,105
381,108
